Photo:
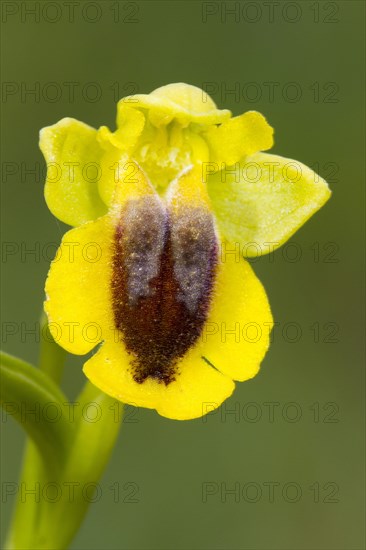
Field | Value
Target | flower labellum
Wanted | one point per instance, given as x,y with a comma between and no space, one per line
165,208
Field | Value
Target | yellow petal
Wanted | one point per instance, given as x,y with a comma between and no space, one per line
179,101
239,136
236,335
260,205
78,287
198,388
73,158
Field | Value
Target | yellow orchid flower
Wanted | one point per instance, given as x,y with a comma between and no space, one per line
152,272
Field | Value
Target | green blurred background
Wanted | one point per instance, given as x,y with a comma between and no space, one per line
312,448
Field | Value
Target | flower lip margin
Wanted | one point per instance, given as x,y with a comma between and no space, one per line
183,102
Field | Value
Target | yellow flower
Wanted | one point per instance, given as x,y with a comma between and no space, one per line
167,205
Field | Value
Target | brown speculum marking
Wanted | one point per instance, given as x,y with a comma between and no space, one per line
163,275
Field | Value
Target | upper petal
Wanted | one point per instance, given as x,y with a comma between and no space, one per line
265,200
73,158
242,135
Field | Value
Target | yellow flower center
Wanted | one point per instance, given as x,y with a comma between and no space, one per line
164,132
165,151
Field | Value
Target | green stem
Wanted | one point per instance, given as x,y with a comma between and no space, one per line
27,515
88,445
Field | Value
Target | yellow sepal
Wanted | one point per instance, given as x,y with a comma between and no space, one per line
73,158
265,201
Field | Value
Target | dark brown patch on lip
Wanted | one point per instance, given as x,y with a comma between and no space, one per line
163,275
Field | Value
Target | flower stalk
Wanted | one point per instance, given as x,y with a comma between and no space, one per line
61,458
